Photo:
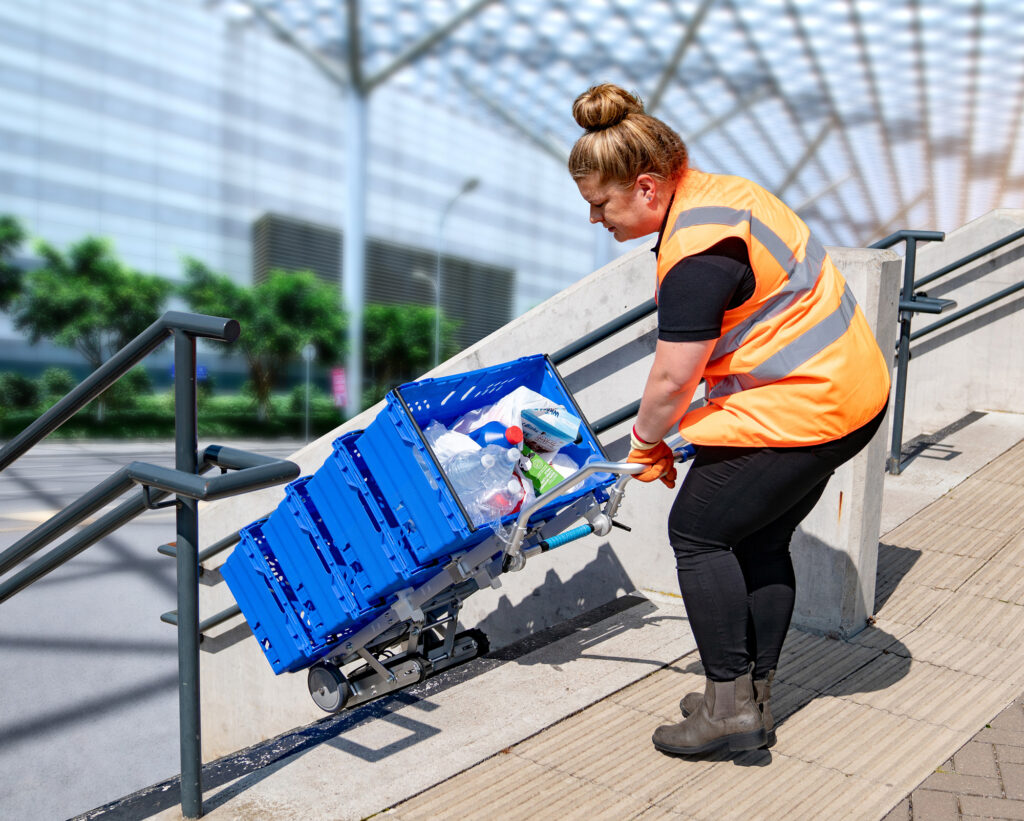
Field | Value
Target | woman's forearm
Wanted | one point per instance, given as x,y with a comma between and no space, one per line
674,377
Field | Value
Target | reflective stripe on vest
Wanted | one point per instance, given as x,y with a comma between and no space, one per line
786,360
801,276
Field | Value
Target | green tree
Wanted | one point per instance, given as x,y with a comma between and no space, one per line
12,235
399,343
279,317
88,300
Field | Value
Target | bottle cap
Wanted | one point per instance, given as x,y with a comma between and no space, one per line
514,434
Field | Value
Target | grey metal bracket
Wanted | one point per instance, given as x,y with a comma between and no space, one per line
381,670
405,609
924,304
151,505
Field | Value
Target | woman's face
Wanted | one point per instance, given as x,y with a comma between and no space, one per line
627,212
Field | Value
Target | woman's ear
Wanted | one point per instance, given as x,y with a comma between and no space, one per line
647,188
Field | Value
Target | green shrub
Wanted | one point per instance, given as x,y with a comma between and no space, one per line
17,392
54,384
318,400
125,393
222,417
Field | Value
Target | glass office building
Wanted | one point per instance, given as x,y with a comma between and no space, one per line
174,128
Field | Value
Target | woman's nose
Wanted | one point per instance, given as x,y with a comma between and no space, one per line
595,216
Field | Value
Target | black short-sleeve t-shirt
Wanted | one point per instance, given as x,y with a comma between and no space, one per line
698,290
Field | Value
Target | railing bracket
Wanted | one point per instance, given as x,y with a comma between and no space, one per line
151,505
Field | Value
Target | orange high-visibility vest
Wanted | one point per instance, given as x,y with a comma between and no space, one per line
796,363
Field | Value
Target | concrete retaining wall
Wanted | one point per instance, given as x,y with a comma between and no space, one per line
243,702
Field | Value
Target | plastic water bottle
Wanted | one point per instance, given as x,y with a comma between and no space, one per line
487,468
483,481
495,433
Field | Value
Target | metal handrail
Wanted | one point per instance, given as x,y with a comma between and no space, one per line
960,263
598,335
608,329
907,307
253,471
970,309
981,303
196,325
911,302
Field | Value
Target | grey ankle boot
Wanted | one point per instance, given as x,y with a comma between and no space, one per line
762,698
689,703
726,717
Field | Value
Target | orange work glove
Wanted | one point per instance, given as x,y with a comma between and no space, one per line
656,454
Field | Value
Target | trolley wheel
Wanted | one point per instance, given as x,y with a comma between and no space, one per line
483,644
328,687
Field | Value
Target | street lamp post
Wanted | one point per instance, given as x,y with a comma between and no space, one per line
469,185
308,352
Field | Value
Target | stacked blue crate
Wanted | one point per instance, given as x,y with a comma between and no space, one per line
268,601
323,564
377,517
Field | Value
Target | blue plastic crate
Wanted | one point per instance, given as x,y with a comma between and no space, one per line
269,604
334,592
353,539
396,544
410,479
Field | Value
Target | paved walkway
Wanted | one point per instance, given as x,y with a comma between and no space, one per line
863,723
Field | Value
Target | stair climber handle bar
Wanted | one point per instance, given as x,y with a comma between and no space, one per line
545,545
514,555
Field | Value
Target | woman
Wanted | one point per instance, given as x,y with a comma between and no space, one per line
795,385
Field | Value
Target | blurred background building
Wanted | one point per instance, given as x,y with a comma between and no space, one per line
222,129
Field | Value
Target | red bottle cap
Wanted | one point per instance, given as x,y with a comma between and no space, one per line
514,434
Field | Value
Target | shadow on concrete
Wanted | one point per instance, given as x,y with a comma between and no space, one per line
556,601
214,644
930,445
241,771
615,360
575,607
894,563
87,711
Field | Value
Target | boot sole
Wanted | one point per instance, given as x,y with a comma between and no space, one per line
769,735
737,742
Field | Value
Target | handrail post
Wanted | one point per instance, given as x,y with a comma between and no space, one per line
186,440
902,359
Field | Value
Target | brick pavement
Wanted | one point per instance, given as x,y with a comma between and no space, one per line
983,779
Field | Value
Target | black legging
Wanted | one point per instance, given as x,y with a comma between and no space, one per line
730,528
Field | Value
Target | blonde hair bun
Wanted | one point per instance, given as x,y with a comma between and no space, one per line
605,105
